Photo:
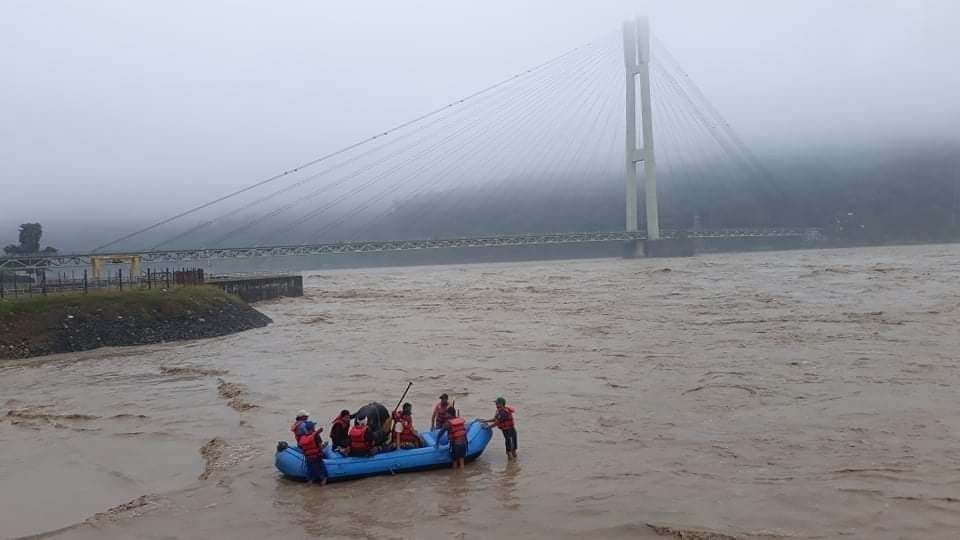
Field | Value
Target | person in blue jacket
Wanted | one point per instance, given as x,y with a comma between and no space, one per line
312,447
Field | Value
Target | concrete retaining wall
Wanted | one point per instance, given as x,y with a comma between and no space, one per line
255,289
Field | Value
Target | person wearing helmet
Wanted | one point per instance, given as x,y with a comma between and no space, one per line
504,419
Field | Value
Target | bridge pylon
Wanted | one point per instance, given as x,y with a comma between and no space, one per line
636,55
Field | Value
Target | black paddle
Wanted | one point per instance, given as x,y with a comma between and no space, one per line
409,384
395,436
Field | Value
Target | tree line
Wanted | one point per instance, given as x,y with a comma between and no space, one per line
30,235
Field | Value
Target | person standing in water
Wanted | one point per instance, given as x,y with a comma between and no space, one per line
312,447
302,417
504,420
439,416
456,429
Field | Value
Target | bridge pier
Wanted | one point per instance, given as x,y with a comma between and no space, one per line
636,53
668,247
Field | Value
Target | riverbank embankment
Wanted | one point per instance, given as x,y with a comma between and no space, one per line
56,324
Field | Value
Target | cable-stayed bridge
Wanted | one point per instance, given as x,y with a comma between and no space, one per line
547,156
380,246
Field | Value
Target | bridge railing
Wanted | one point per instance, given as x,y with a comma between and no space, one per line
183,255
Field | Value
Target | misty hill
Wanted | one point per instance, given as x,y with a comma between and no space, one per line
885,193
895,193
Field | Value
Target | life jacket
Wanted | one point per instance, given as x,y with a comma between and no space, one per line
458,430
358,441
441,413
310,445
508,423
345,422
407,434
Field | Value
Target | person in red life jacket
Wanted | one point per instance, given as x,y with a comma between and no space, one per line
407,437
362,440
340,432
302,417
440,412
456,429
312,447
504,420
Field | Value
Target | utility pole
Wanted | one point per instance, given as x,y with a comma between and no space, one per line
636,55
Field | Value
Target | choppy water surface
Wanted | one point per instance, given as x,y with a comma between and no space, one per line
794,394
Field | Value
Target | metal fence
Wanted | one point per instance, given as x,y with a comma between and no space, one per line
20,285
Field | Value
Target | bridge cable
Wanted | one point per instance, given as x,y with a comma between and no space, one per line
694,89
321,190
304,181
558,153
502,143
338,152
491,154
457,111
572,159
542,172
379,196
674,154
342,198
726,168
484,189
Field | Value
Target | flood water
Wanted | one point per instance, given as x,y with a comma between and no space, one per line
805,394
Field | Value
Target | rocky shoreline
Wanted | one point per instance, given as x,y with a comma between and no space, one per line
51,325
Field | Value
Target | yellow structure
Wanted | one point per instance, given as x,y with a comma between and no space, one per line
97,262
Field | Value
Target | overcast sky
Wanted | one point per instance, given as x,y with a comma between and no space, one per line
136,109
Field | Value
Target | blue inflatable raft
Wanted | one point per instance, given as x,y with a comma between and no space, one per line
290,460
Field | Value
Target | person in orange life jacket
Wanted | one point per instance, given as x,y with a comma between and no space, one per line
504,420
339,432
312,447
456,429
408,437
362,440
302,417
440,412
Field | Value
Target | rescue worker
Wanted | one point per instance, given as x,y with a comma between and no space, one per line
339,432
439,416
362,440
504,420
456,429
302,416
312,447
407,438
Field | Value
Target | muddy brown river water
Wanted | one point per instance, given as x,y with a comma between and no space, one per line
805,394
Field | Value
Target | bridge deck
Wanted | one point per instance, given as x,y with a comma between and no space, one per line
184,255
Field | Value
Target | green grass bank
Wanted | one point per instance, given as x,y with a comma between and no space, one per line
65,323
